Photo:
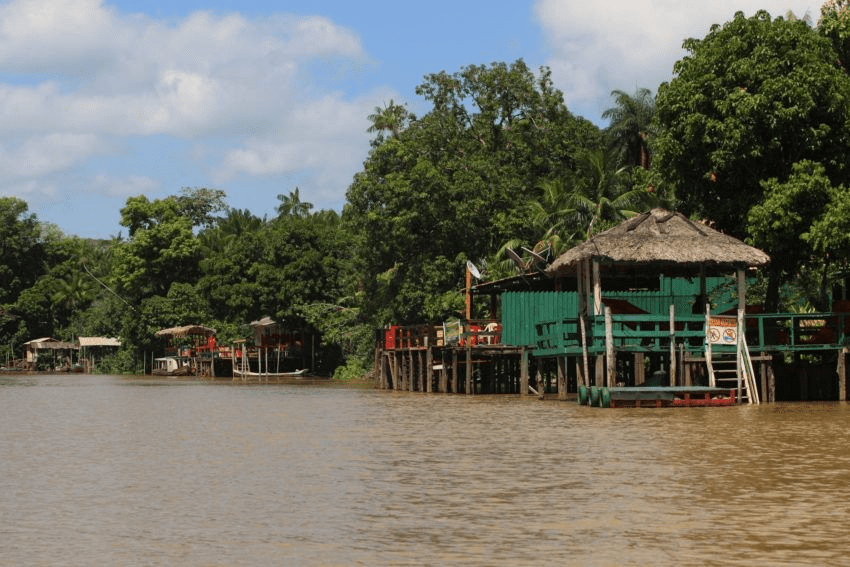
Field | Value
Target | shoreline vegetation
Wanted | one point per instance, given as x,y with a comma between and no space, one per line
754,146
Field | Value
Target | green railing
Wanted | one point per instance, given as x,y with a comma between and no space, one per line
648,332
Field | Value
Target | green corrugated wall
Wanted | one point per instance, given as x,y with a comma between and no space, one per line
521,310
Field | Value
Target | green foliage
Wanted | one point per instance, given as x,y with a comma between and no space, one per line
162,248
22,255
834,24
631,126
781,223
752,98
455,184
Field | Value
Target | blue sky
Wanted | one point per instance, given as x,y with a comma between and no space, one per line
101,101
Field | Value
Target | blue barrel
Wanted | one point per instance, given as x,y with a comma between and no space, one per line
594,396
582,395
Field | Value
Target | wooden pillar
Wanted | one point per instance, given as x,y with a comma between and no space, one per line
541,386
771,383
842,374
397,378
411,372
640,369
742,304
672,345
611,358
562,377
429,367
469,386
523,372
455,377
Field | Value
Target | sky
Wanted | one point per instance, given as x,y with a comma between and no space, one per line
101,101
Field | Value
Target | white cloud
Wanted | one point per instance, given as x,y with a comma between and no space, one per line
47,154
598,47
88,77
104,184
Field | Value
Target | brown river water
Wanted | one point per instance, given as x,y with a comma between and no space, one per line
106,470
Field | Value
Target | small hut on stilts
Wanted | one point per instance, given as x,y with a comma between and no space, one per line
655,243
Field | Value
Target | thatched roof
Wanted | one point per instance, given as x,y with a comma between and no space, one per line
185,331
99,342
661,238
48,343
264,322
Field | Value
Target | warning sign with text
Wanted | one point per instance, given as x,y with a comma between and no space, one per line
722,330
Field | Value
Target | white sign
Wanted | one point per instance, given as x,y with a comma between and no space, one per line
722,330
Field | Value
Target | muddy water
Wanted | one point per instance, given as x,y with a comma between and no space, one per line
98,470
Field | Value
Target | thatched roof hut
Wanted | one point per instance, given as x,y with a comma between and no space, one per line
662,239
99,342
185,331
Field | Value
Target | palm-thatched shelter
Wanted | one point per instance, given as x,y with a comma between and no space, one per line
658,241
193,336
661,240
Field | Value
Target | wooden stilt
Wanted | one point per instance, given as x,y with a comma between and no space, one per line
611,360
469,386
455,373
523,372
562,378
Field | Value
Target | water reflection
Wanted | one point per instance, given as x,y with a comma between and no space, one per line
109,470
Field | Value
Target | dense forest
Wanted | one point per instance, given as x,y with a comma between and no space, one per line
751,135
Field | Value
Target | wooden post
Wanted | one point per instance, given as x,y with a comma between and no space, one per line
640,369
562,377
397,380
541,386
771,383
582,316
842,374
709,368
429,367
763,373
523,372
411,371
611,359
455,377
469,386
672,345
742,304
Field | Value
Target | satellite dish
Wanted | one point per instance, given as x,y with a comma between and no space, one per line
473,270
516,259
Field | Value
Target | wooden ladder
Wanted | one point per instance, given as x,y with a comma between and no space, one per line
723,370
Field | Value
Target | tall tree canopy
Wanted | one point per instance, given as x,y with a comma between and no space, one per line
751,99
456,183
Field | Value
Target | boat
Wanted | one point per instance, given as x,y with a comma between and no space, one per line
170,366
237,373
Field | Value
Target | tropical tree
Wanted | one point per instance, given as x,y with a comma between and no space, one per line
630,126
456,184
22,252
292,206
392,118
750,100
782,225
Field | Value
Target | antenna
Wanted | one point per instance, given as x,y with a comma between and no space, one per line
473,270
537,257
516,259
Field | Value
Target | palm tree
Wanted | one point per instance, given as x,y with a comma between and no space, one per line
630,126
292,206
601,195
392,118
